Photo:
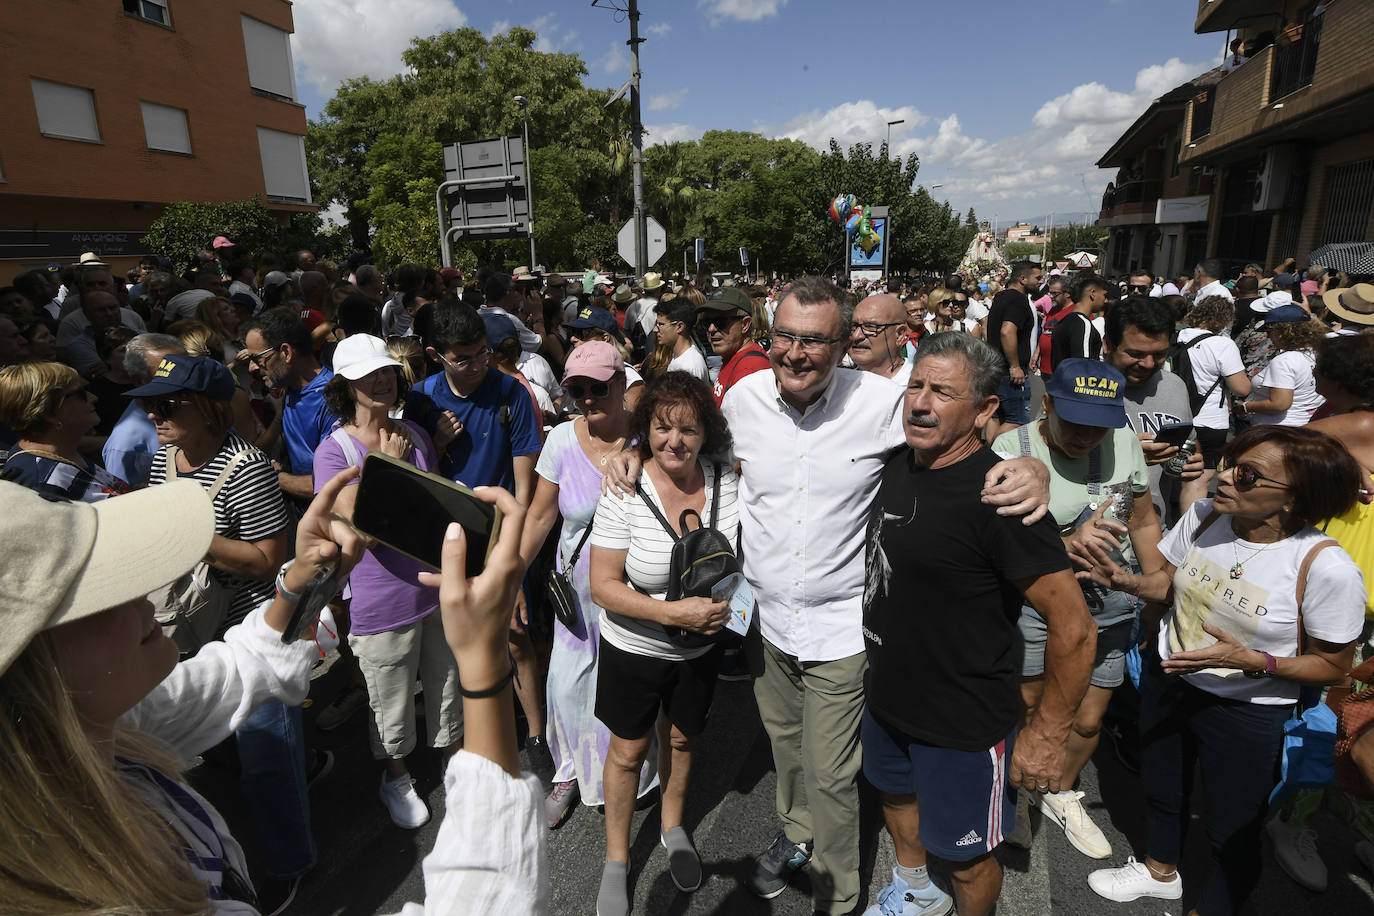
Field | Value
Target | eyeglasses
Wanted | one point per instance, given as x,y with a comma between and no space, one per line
466,362
874,328
783,340
1245,475
595,389
162,408
261,355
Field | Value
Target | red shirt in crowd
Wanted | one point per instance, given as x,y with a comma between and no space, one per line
746,361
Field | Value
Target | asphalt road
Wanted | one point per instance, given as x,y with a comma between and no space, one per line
367,865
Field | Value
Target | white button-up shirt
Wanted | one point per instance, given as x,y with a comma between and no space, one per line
1215,288
807,481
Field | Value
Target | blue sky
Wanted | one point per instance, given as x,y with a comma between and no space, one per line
1007,104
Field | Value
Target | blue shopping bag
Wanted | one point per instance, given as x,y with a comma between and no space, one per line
1308,758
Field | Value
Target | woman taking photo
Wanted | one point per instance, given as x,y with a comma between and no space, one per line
1285,391
570,469
50,409
103,717
644,670
394,630
1262,603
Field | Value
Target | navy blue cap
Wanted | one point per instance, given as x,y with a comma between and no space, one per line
499,328
594,316
200,374
1089,392
1285,314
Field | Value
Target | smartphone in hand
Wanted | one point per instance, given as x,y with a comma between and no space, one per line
409,510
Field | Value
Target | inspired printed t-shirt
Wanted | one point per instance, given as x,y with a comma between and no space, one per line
1260,608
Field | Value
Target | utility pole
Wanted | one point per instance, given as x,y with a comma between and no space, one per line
524,104
1045,243
637,146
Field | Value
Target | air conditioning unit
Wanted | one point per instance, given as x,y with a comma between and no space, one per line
1271,181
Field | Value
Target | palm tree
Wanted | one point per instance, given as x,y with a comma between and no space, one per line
672,185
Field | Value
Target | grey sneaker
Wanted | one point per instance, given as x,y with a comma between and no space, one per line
614,898
774,868
1295,849
684,865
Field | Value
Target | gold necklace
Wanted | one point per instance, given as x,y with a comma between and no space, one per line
606,455
1238,569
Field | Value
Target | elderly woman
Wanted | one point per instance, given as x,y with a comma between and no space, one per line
188,403
645,671
1285,390
1262,603
1216,371
395,632
570,469
49,408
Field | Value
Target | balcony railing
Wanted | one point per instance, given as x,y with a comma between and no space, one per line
1142,194
1296,61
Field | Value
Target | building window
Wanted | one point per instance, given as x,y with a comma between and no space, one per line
283,165
65,111
165,128
269,59
1349,202
151,10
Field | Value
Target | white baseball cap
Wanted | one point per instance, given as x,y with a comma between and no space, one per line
360,355
69,560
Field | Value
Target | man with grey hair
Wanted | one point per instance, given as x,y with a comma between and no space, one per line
942,696
128,452
370,283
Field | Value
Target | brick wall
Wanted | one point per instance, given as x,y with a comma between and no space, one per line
198,65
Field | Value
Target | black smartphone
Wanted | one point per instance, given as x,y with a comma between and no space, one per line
318,592
1175,434
409,510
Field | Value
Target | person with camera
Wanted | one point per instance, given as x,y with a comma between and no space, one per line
658,655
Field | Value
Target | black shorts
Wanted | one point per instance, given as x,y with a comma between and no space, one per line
1212,442
631,689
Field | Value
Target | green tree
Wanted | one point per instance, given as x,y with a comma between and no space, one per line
185,228
1070,238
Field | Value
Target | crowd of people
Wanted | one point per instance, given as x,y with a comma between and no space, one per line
981,522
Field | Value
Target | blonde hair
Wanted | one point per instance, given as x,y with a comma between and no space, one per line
695,296
210,312
81,840
30,394
201,339
410,353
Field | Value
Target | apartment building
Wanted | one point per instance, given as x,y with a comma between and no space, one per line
116,108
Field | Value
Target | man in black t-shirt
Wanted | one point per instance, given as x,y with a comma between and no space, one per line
1074,336
1011,328
943,591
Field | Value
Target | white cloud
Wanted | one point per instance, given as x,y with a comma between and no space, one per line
656,134
659,29
615,60
667,100
498,27
552,36
740,10
850,123
339,39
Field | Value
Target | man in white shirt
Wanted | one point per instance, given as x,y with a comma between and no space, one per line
642,309
811,443
674,320
874,343
1207,280
77,333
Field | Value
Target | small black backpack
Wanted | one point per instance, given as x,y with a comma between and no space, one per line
1181,364
701,558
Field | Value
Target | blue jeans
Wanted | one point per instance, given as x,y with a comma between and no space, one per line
271,750
1015,402
1237,744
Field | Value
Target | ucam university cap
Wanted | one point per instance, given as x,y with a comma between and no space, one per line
1089,392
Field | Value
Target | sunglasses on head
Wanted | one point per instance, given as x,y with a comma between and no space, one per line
595,389
162,408
1245,475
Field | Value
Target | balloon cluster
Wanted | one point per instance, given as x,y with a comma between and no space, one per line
857,221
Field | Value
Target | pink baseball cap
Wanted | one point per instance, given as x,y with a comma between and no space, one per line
221,242
595,359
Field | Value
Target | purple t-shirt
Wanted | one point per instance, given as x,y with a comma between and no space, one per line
386,595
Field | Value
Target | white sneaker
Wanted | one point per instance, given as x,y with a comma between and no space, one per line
1021,835
1133,881
1295,849
1066,810
402,802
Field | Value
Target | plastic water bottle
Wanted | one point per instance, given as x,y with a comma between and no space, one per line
1174,467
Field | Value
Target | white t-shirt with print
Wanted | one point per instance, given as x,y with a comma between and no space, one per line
628,524
1293,370
1260,608
1213,357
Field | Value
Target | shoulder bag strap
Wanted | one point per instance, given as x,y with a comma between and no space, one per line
172,452
1300,591
577,551
224,475
654,509
715,492
345,442
1023,439
1095,471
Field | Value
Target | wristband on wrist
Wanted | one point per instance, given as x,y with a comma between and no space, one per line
282,591
492,691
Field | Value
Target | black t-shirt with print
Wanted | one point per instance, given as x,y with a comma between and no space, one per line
941,604
1014,306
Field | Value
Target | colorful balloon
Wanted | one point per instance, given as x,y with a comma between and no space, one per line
840,207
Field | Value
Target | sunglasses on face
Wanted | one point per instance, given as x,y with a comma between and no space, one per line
1246,476
162,408
261,356
1139,288
595,389
722,322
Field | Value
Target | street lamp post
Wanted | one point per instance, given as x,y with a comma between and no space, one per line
888,144
524,104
